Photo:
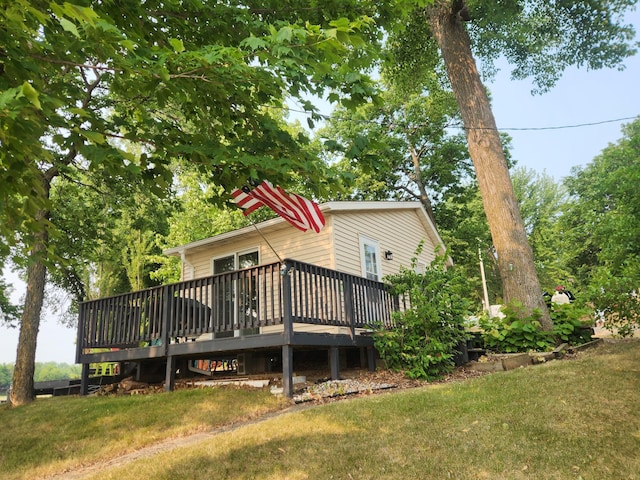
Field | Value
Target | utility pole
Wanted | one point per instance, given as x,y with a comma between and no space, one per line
484,283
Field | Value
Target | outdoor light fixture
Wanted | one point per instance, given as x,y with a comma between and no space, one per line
388,255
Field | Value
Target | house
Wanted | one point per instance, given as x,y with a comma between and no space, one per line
368,239
255,295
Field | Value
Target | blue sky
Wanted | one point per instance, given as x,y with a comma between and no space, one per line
580,97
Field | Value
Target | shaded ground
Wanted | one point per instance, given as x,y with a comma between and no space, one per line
320,390
353,384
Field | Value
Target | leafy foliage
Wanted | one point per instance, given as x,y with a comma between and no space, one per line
117,89
400,148
615,300
541,39
601,225
519,332
516,332
541,202
45,371
95,80
425,336
9,313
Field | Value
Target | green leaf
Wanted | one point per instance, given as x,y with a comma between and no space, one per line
133,168
164,74
69,27
254,43
79,111
341,23
31,94
284,34
128,44
8,95
177,45
94,137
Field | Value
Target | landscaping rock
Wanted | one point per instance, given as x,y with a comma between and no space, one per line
541,357
486,366
517,360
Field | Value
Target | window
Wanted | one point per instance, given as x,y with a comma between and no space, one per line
370,258
234,298
420,267
235,261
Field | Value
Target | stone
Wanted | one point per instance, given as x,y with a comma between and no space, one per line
486,366
516,361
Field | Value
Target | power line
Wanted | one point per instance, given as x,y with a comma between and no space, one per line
561,127
501,129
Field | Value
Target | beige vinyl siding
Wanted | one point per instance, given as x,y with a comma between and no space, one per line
399,231
287,241
396,229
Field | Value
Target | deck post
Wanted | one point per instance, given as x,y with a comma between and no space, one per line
170,376
84,380
166,318
349,310
334,362
80,338
371,357
287,348
287,371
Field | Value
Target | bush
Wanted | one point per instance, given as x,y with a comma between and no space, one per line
615,299
424,340
515,332
518,332
572,323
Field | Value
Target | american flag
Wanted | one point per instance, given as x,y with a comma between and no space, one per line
298,211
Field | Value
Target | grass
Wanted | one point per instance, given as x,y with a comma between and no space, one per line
577,419
57,434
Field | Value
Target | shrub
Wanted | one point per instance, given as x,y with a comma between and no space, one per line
425,336
616,300
515,332
518,332
571,323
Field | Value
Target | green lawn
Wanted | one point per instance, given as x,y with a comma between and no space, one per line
568,419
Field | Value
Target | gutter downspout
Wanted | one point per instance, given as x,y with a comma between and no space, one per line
185,262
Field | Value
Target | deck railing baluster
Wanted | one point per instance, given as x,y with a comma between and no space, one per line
244,299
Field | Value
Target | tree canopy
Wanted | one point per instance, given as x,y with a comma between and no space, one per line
401,147
540,39
112,90
600,227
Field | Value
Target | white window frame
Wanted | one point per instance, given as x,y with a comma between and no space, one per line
420,267
236,256
364,242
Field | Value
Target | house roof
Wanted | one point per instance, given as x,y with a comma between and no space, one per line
326,208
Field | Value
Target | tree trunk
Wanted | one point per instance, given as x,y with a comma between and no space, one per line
515,257
424,196
22,390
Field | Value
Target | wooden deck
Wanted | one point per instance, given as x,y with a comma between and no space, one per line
283,306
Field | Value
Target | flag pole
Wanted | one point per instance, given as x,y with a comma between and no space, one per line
265,239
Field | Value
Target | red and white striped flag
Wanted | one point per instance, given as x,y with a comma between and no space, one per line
298,211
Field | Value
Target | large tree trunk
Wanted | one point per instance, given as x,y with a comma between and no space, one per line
22,390
515,257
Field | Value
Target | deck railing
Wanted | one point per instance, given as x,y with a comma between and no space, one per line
238,302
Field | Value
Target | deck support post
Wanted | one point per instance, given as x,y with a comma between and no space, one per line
287,371
371,357
84,380
170,376
334,362
287,347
